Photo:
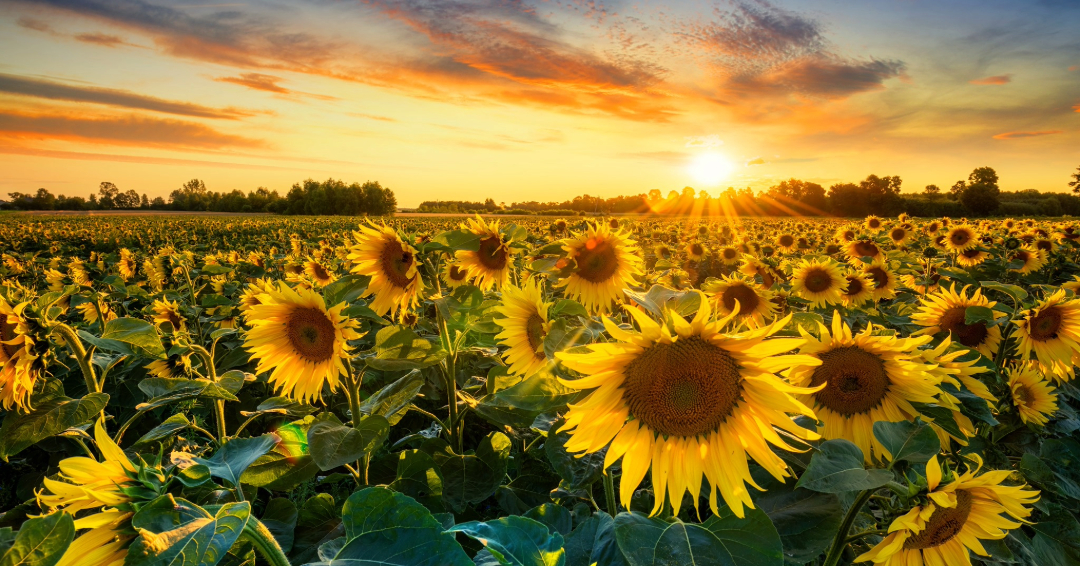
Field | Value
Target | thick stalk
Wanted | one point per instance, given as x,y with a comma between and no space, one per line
219,404
263,540
450,373
840,541
609,493
353,386
71,339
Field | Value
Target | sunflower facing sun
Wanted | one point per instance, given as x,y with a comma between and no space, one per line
687,402
18,363
606,263
302,342
946,311
731,292
1051,331
488,266
819,282
524,327
391,263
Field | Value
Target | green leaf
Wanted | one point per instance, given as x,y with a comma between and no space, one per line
579,472
398,348
593,542
167,428
391,529
318,522
49,418
978,314
215,269
556,517
333,444
561,336
139,335
418,475
837,466
289,463
517,541
393,401
1057,535
473,478
459,240
567,307
346,289
519,404
166,513
166,390
1014,291
198,542
806,520
230,461
280,519
41,541
722,540
914,442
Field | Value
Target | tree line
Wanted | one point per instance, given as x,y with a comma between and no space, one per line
977,195
330,197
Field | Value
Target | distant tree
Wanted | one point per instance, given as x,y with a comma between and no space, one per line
107,195
848,199
981,195
810,194
158,203
489,205
1075,183
932,192
957,189
655,195
44,200
93,204
126,200
144,203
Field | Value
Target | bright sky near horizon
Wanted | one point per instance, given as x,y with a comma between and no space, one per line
535,99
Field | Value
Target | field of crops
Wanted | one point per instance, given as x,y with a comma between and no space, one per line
538,392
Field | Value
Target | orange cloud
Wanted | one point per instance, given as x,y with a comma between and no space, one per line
125,130
119,158
994,80
101,39
1017,135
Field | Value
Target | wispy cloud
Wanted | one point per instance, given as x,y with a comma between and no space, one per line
40,88
102,39
1018,135
269,83
994,80
123,130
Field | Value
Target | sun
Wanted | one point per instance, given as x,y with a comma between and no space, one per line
710,168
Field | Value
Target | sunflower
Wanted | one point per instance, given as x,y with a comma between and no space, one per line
391,263
1052,331
677,279
861,379
168,312
898,235
689,402
489,266
453,275
752,266
961,237
819,282
127,264
91,313
785,242
696,250
1031,259
729,255
172,366
19,367
731,294
105,544
606,262
946,311
859,289
872,223
319,273
1034,397
300,340
954,519
884,280
525,327
972,257
865,247
253,293
844,234
55,279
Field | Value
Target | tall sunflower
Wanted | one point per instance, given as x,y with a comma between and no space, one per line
731,292
19,366
884,279
1031,259
946,311
864,247
962,237
391,263
687,402
524,327
696,250
972,257
819,282
606,262
1032,395
859,379
859,289
1052,331
453,275
168,312
300,340
955,518
489,266
319,273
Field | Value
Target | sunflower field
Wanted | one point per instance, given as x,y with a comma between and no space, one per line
533,392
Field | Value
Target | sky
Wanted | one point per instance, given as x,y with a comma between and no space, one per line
544,100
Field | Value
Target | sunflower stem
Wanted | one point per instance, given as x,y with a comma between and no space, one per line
219,404
352,386
71,339
840,540
262,539
609,493
449,368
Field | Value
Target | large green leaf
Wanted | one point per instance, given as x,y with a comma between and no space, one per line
722,540
138,335
346,289
334,444
230,461
473,478
557,518
418,475
317,522
393,400
289,462
1014,291
579,472
279,518
201,541
837,466
459,240
390,529
163,431
48,418
806,520
517,541
41,541
519,404
593,542
909,441
166,390
398,348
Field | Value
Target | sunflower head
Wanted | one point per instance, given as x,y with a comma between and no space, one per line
818,281
1050,333
605,262
392,265
745,299
490,264
525,327
1034,397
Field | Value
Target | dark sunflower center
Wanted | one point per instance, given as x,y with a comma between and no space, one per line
786,240
534,328
944,524
818,280
730,253
766,278
492,254
311,334
685,388
747,298
1023,394
970,335
971,254
457,274
396,263
696,249
7,333
865,249
173,318
597,261
854,286
879,275
898,234
319,271
294,269
1044,245
855,380
960,238
1045,325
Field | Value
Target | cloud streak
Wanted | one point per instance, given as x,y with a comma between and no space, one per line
1019,135
127,130
994,80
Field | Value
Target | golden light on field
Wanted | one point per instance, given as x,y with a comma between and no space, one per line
710,169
